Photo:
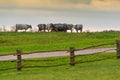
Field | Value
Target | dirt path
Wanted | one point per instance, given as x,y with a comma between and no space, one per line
57,53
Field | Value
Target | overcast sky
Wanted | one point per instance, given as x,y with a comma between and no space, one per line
93,14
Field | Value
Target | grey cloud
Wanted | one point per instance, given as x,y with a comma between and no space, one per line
74,1
80,1
7,2
60,6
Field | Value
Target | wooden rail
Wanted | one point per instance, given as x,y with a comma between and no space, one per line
72,56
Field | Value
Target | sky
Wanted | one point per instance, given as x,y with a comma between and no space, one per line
95,15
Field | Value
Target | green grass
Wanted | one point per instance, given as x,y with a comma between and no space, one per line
31,42
108,69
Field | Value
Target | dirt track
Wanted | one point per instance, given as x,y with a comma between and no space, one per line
57,53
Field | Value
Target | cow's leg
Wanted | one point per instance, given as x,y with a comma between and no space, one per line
65,30
38,30
80,30
15,30
77,31
48,30
71,30
44,30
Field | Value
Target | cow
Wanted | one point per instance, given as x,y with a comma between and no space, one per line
22,27
78,27
70,27
41,27
58,27
48,27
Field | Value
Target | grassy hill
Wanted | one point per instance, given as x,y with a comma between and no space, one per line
30,42
98,70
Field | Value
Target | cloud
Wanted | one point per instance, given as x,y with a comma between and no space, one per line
64,4
41,2
106,4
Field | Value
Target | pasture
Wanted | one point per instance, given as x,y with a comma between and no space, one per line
98,70
107,69
35,42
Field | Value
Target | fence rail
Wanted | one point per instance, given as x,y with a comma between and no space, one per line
95,53
95,46
47,60
72,56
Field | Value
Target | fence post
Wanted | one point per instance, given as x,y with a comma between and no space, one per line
118,48
72,56
19,60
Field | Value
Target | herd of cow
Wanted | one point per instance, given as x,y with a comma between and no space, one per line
52,27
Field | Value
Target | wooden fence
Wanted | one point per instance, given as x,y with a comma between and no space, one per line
72,56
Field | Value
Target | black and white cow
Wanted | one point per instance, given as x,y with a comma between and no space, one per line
41,27
58,27
48,27
78,27
70,27
61,27
22,27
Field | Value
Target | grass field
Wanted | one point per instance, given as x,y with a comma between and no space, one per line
108,69
31,42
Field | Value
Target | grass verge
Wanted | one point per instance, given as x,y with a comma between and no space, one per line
98,70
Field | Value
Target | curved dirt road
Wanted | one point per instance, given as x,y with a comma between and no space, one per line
56,53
